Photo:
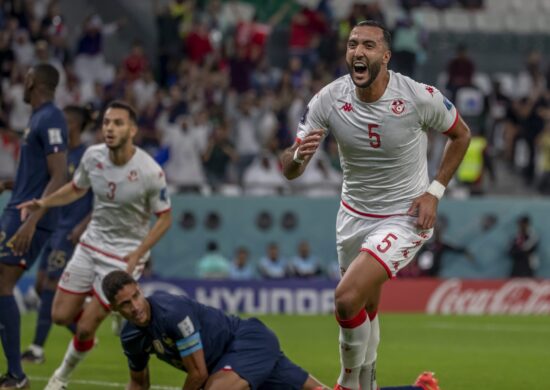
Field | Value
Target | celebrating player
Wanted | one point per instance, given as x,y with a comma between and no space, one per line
59,249
379,119
42,170
217,351
128,186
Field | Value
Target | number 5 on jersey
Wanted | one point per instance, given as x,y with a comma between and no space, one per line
375,137
386,243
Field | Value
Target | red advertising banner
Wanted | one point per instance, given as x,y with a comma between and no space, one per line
455,296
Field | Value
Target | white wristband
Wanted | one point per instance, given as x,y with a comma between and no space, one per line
296,159
436,189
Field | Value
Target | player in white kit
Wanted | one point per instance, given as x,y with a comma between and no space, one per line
379,119
129,187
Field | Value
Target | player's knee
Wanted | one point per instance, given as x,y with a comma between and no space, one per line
84,332
346,303
59,317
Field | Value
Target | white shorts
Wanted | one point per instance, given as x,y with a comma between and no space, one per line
393,241
86,270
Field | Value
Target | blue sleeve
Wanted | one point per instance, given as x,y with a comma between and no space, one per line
52,132
133,344
183,326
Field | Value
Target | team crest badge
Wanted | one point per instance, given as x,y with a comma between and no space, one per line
133,175
397,106
158,347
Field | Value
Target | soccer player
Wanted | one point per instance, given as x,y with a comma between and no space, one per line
59,249
379,119
128,186
42,170
217,351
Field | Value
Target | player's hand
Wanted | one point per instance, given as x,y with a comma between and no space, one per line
76,233
21,240
425,209
132,259
28,207
310,144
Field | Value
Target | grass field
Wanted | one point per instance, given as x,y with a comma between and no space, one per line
467,353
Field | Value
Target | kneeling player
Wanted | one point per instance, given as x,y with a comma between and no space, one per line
217,351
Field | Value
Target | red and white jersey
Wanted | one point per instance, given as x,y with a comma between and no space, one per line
383,144
125,198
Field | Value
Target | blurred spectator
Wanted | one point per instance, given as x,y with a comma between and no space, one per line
7,56
136,63
218,155
240,268
197,43
408,44
460,70
320,179
144,90
472,168
502,122
184,169
532,77
23,48
263,177
544,150
523,249
306,29
213,265
304,264
272,265
19,111
9,152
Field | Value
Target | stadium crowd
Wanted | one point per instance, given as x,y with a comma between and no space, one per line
214,109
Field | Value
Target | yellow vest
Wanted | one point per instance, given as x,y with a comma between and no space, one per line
471,168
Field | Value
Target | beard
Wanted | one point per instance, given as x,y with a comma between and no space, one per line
373,68
121,143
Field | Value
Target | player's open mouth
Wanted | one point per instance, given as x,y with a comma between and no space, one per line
359,67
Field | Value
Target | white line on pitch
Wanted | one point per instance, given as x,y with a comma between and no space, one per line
101,383
489,327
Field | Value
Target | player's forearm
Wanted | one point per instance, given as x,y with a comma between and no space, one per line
54,185
194,381
64,195
292,169
160,227
139,380
454,153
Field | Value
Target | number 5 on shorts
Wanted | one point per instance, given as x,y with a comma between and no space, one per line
387,243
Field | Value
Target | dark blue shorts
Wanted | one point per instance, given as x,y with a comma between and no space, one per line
9,223
56,254
255,355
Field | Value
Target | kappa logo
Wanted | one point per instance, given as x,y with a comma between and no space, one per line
395,265
430,89
405,253
397,106
347,107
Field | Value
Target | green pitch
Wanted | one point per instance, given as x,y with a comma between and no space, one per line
482,352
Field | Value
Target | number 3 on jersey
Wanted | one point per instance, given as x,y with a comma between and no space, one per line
112,190
375,137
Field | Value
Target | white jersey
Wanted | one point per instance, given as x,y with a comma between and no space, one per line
125,198
383,144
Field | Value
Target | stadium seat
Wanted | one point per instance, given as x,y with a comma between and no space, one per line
507,82
488,22
430,18
483,82
458,20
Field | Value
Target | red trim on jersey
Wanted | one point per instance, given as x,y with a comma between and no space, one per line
452,126
368,215
106,306
75,187
110,255
372,315
375,256
73,292
159,213
227,369
354,322
83,345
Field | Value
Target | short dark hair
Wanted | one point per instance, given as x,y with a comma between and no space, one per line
376,23
114,282
123,106
46,75
83,113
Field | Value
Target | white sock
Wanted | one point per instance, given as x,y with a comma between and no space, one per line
70,361
367,378
354,335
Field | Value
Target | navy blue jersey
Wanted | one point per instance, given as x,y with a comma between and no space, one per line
47,133
75,212
179,326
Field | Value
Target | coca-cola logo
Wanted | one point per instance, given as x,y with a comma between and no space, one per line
519,296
